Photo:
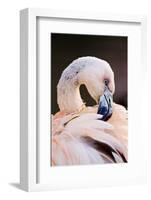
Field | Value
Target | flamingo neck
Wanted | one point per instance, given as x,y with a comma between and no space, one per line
69,98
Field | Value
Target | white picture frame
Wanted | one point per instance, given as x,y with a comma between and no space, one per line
30,164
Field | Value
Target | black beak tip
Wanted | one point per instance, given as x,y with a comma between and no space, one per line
105,106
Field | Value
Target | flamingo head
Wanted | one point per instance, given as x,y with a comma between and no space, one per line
98,77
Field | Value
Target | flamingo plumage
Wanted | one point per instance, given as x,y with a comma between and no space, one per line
88,134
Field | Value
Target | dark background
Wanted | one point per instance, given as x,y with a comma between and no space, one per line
67,47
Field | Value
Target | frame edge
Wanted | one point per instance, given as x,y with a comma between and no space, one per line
24,99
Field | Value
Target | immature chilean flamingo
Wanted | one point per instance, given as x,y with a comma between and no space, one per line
93,134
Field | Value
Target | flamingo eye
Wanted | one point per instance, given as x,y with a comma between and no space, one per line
106,82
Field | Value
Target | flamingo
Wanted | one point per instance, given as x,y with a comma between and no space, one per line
88,134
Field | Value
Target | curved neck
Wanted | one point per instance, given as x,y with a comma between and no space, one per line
69,98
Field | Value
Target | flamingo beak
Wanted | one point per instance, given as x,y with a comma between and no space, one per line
105,104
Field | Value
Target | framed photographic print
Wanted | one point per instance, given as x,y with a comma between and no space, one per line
81,99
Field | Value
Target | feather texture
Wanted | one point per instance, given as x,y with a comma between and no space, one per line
81,138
